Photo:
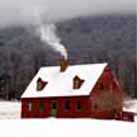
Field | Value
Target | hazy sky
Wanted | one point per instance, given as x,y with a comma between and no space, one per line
23,11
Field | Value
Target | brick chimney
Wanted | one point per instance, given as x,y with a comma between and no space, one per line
63,64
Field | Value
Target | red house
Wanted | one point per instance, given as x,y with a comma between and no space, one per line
68,91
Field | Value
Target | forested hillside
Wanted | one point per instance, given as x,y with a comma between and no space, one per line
109,39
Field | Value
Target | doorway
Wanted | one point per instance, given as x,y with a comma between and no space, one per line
53,108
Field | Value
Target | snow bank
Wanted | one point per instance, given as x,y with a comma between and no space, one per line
66,128
9,110
131,105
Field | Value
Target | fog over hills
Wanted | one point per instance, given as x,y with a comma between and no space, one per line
24,11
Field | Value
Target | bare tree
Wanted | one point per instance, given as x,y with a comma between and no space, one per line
108,101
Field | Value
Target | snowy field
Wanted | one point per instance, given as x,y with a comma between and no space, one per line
11,127
9,110
131,106
67,128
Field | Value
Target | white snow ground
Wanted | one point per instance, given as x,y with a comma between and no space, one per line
9,110
59,127
131,106
67,128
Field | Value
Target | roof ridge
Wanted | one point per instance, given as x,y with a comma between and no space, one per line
72,65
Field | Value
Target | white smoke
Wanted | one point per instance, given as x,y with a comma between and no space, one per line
48,33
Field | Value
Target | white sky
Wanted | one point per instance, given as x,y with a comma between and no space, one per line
22,11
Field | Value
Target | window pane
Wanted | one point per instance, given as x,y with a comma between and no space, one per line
54,106
67,105
42,107
30,106
78,105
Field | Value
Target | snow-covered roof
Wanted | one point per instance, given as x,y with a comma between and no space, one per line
61,83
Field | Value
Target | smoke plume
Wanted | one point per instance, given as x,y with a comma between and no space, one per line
48,35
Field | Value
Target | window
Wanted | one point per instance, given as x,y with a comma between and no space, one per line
79,107
41,107
95,107
67,105
77,82
100,85
54,105
53,108
30,106
41,84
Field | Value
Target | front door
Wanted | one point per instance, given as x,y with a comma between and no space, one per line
53,108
